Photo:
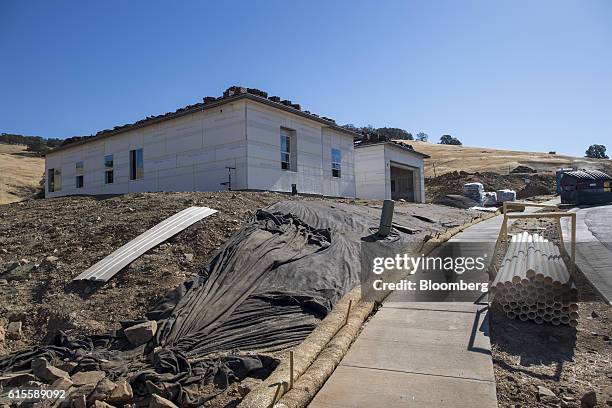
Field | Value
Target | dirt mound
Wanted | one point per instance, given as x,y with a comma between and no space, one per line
54,240
44,244
525,185
456,201
523,169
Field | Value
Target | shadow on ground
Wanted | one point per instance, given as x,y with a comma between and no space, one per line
533,344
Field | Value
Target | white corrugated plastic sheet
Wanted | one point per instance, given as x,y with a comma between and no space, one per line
113,263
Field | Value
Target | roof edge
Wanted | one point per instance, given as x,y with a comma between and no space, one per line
399,146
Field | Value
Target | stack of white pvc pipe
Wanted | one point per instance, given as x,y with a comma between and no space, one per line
533,282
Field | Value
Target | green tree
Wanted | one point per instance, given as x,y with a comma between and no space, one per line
449,140
422,137
596,151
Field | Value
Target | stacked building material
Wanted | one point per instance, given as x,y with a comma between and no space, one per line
533,282
505,195
489,199
473,191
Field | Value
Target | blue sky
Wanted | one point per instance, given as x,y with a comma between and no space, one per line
528,75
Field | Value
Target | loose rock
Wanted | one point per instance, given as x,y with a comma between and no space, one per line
121,394
159,402
141,333
589,399
67,366
102,404
46,372
102,391
62,384
13,331
247,385
88,378
546,395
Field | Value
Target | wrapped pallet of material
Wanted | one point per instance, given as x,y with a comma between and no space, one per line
489,199
473,191
505,195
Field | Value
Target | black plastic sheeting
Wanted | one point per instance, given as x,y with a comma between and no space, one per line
264,291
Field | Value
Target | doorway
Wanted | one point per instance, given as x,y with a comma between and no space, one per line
402,183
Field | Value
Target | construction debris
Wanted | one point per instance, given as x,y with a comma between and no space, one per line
533,282
109,266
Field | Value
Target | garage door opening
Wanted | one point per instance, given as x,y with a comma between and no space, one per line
402,184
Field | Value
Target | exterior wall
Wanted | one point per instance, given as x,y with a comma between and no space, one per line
191,153
183,154
314,144
370,172
373,171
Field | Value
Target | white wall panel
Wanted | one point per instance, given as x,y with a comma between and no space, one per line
192,152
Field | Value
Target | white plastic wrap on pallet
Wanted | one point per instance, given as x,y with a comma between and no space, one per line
489,198
505,195
113,263
474,191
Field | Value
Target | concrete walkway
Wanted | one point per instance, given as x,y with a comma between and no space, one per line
419,354
593,246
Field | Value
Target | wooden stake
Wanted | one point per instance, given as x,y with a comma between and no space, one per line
276,394
291,369
348,312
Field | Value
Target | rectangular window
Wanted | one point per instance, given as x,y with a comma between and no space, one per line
50,181
108,169
288,150
136,164
79,174
285,142
336,159
54,182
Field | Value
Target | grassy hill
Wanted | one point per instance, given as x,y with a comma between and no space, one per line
20,172
447,158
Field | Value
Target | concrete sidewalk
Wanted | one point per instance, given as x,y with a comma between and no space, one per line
416,355
593,240
421,354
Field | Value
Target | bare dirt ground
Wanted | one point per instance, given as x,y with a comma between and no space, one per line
447,158
57,239
20,173
568,361
525,184
449,167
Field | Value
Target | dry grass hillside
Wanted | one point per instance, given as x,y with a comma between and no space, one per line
20,173
448,158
